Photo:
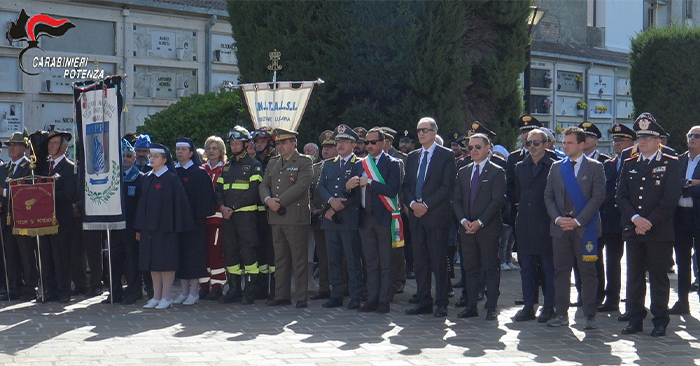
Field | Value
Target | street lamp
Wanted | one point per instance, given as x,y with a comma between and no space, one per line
536,15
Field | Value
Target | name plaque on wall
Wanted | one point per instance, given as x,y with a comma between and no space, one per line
165,43
164,82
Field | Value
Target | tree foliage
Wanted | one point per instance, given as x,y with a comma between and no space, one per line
664,78
391,62
197,116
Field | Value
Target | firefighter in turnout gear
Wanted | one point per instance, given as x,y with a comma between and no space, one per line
237,197
264,142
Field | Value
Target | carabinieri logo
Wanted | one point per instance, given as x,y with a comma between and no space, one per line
31,28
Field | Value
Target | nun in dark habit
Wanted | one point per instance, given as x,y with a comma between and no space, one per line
193,245
163,212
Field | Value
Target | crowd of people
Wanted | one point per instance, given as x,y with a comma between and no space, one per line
237,220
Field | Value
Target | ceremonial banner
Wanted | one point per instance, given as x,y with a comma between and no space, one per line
98,106
33,206
278,107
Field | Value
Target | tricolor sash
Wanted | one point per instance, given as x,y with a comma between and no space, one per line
590,236
391,204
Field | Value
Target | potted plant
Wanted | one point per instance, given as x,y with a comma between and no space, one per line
546,104
579,80
548,79
601,109
581,107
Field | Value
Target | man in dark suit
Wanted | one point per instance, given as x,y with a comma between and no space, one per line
20,249
478,197
341,219
611,241
427,187
55,249
687,219
575,190
532,228
379,185
647,196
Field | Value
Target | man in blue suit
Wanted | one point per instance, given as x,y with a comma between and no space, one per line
341,219
379,185
427,187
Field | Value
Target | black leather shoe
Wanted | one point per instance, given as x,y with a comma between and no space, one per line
658,331
491,314
679,308
97,291
545,314
441,311
633,328
354,304
524,314
519,302
131,299
608,307
624,317
279,302
383,308
301,304
425,309
368,307
410,275
399,289
461,303
413,300
321,295
469,312
333,303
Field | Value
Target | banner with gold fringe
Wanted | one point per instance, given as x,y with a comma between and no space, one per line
33,206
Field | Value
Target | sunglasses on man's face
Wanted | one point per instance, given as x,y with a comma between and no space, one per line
424,130
694,136
374,142
533,142
472,147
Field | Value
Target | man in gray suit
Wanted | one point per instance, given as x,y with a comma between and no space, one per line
572,202
478,197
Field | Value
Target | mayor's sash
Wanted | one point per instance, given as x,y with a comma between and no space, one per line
590,236
391,204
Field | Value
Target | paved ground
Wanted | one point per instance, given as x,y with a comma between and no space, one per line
87,333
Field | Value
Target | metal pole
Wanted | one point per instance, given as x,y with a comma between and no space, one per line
526,80
41,274
4,259
109,258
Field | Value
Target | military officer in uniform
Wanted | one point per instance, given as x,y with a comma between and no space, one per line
285,191
341,219
407,142
237,198
647,196
324,287
361,145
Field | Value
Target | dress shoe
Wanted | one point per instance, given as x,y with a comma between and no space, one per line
420,309
624,317
279,302
413,300
632,328
525,314
491,314
164,304
64,299
441,311
679,308
97,291
658,331
451,293
108,300
519,302
131,299
354,304
368,307
321,295
191,300
469,312
301,304
399,289
180,299
608,307
383,308
334,302
410,275
151,304
545,314
27,297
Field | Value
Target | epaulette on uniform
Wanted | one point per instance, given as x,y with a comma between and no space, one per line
669,156
631,158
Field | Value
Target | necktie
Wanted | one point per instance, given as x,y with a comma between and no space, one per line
53,163
474,186
342,164
12,168
573,166
421,176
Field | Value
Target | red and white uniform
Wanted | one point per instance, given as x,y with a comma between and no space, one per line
215,244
